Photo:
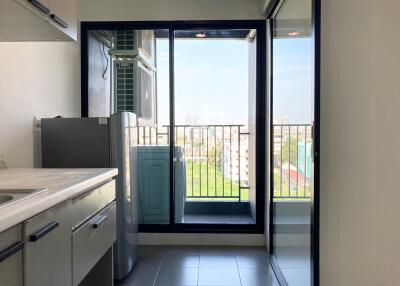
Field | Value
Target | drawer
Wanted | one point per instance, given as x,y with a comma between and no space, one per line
48,248
11,267
84,206
10,236
91,241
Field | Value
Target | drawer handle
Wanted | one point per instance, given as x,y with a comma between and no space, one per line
100,221
40,6
11,250
59,21
44,231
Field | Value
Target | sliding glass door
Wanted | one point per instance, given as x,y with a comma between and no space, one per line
197,90
214,96
293,142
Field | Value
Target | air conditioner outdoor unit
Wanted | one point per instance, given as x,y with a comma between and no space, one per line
134,73
134,89
139,43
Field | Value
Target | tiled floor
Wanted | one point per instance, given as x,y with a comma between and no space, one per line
220,219
196,265
294,262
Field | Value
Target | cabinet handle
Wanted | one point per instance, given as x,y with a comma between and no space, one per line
11,250
44,231
59,21
100,221
40,6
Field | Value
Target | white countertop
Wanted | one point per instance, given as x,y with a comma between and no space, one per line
61,185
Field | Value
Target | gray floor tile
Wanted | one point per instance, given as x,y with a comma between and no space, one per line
293,256
254,260
258,277
151,254
180,260
177,276
297,277
218,265
219,276
218,260
142,274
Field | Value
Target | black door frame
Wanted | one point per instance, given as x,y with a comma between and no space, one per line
171,26
271,9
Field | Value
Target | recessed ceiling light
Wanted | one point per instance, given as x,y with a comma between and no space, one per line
201,35
294,33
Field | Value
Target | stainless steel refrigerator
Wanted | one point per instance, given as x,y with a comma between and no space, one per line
101,143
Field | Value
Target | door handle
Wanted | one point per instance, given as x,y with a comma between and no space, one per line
100,221
11,250
312,142
40,6
44,231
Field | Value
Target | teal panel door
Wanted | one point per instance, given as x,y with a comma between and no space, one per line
153,185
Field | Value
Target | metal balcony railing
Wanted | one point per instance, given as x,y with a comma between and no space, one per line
292,153
216,158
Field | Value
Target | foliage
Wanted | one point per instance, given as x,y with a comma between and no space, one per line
215,157
293,151
215,184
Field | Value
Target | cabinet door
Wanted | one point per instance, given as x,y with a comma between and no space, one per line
48,249
153,182
64,16
11,246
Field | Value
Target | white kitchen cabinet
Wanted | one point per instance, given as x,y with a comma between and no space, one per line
38,20
11,263
48,248
64,243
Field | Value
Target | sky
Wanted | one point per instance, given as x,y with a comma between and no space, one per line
211,81
292,89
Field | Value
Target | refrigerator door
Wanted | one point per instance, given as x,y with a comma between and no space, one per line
123,128
75,143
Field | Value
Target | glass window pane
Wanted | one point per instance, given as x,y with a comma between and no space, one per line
293,97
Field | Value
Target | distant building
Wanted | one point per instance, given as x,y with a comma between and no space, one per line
236,167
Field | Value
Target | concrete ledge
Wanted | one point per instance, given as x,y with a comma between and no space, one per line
202,239
217,208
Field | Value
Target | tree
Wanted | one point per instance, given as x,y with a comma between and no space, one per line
293,151
215,157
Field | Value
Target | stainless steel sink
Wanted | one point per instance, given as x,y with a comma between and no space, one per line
8,196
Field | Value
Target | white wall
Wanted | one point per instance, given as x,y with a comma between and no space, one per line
36,79
360,140
124,10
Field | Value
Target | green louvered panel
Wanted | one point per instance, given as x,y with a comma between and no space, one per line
125,86
125,40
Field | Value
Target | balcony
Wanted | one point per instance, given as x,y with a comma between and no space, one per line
292,148
292,153
217,165
216,162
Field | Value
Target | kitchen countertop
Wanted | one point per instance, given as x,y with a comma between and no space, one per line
61,185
